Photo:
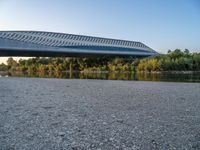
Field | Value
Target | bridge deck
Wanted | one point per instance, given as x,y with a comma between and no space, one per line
32,43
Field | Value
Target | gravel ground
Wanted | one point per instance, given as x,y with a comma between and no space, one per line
98,114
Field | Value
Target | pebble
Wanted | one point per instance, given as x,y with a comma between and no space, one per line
61,133
109,122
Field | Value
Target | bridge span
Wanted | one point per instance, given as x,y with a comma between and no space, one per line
49,44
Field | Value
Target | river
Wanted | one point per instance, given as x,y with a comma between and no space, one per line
166,77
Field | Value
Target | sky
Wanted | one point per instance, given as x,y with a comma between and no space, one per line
160,24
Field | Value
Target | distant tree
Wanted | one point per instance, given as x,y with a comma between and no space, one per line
3,67
176,54
186,51
169,51
12,64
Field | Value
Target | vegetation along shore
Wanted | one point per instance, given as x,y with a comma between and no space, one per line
174,61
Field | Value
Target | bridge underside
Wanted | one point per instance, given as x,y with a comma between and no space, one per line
45,44
33,53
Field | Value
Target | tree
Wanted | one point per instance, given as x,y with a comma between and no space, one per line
12,64
3,67
186,51
169,51
176,54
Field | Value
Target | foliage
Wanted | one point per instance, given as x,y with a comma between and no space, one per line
176,60
3,67
45,64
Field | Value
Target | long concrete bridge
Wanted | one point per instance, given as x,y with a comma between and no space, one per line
49,44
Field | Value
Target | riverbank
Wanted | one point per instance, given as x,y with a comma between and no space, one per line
98,114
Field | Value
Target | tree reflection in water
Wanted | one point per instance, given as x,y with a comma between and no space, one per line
172,77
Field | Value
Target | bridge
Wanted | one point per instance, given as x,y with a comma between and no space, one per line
49,44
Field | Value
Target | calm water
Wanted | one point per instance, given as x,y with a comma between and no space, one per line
191,77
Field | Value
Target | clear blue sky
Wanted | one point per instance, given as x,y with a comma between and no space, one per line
161,24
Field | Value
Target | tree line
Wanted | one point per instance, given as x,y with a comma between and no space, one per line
176,60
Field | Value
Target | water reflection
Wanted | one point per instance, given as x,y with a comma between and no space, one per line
192,77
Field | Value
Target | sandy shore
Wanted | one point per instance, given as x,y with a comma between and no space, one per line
98,114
